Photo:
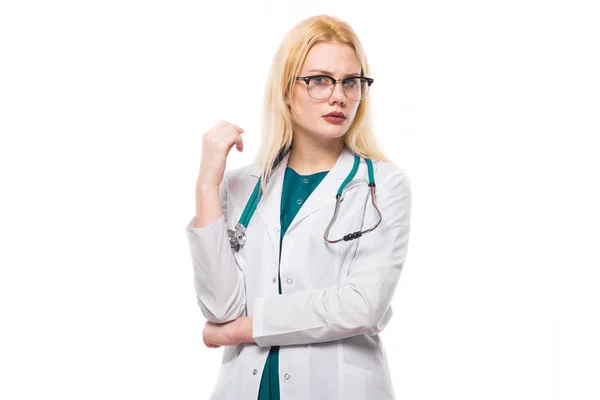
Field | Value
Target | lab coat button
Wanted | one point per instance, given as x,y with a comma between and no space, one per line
276,229
287,376
291,235
289,281
254,371
274,280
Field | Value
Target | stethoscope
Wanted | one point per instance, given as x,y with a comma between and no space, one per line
237,237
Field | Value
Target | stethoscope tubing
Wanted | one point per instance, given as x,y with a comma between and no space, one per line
238,238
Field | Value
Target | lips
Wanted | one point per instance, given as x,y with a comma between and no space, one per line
334,120
335,114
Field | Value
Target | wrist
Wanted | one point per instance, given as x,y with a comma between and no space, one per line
245,330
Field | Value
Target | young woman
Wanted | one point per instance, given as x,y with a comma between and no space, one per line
297,256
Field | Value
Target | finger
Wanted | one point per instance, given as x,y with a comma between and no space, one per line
239,143
211,345
233,137
240,130
226,135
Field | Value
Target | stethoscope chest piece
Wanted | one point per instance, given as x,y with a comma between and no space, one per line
238,237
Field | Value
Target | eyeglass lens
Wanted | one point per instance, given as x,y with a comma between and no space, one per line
320,88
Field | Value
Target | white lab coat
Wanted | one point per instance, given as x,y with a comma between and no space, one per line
336,297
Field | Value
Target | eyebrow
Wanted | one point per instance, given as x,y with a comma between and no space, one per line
331,73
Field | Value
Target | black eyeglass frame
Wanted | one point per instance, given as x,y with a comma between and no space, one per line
307,79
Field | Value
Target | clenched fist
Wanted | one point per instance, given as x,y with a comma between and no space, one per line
216,145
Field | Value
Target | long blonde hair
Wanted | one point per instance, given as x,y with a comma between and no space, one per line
277,122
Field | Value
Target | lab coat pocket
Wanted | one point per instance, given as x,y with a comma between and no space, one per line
362,383
346,249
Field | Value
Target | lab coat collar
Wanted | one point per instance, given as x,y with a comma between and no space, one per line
323,195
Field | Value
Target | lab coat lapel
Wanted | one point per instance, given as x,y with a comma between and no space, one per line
324,194
269,207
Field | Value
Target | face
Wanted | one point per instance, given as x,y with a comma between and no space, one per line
338,61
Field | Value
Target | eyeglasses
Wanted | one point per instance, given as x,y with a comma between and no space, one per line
320,87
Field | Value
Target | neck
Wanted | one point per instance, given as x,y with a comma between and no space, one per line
309,156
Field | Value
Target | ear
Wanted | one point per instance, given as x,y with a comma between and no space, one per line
287,98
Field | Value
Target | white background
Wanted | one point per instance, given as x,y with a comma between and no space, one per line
492,108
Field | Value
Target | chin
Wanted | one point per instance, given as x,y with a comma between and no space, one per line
335,131
332,134
327,131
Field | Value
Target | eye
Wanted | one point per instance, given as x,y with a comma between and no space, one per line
320,80
351,82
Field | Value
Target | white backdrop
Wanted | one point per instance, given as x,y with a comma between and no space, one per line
492,108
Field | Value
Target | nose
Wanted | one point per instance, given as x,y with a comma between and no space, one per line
337,95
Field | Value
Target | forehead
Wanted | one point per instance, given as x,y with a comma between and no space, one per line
337,58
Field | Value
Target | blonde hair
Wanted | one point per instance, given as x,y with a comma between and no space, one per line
277,122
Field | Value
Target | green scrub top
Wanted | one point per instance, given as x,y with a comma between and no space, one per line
296,189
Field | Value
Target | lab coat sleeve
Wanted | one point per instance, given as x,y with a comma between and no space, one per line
218,281
361,304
